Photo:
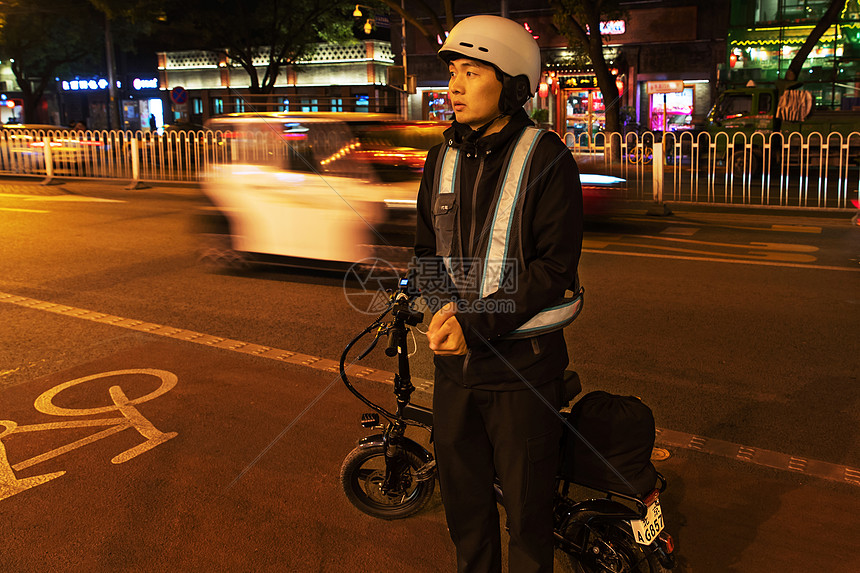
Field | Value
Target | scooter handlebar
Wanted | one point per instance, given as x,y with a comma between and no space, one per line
391,349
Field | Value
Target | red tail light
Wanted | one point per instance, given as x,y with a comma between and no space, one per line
668,542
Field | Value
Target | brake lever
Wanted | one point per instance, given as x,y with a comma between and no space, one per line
372,344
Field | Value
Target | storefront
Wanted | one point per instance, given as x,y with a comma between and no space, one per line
85,100
670,105
143,107
580,106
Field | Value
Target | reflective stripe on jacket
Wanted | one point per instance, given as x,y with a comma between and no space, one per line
497,262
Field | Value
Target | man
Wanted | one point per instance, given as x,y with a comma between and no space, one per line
498,241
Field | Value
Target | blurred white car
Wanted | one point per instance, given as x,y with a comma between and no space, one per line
311,190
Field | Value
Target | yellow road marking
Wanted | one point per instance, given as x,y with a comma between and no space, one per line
72,198
787,252
771,256
713,259
23,210
714,222
599,243
790,247
130,417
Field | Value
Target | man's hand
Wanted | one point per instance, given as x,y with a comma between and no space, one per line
444,334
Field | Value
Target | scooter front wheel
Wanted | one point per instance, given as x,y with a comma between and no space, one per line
362,475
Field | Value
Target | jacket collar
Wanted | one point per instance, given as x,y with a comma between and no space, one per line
462,136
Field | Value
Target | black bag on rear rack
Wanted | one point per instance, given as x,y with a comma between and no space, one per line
621,429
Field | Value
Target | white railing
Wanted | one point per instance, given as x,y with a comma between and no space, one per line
793,170
125,155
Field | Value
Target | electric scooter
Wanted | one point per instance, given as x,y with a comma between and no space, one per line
390,476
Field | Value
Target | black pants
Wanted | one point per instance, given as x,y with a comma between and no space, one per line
515,434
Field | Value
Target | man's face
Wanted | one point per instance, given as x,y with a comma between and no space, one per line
474,91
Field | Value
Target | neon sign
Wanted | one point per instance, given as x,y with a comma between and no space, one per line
612,27
145,84
87,85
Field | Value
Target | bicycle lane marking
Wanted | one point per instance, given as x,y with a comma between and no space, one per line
757,456
282,355
130,417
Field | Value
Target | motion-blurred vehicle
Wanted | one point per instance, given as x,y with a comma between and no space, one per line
601,194
318,190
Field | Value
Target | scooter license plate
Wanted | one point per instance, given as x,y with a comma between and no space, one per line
645,531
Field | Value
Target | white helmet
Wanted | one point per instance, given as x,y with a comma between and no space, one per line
498,41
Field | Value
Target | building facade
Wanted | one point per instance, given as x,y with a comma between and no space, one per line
348,77
765,35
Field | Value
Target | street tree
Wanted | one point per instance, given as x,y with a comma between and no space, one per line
41,39
579,21
134,19
830,16
260,36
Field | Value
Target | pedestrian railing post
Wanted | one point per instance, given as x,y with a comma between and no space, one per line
657,179
49,163
135,164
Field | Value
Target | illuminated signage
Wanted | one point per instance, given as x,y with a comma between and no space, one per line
579,82
86,85
665,87
612,27
145,83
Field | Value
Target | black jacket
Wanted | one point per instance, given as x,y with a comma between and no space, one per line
551,247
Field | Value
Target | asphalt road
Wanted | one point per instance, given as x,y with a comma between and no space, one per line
736,327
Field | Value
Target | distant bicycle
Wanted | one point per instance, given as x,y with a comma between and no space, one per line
643,153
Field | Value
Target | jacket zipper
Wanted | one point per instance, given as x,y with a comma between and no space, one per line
472,239
475,205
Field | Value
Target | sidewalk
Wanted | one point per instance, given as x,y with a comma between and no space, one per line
106,188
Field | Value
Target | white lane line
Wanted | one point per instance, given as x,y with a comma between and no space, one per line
12,209
672,438
721,260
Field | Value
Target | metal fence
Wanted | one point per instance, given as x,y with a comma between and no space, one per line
795,170
811,170
123,155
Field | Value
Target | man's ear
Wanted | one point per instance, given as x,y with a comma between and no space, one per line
521,88
515,92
